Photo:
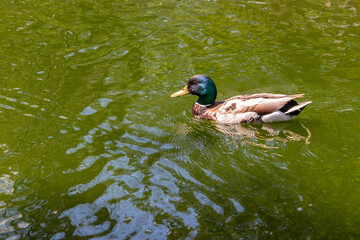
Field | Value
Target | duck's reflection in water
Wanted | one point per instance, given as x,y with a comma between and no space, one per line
267,135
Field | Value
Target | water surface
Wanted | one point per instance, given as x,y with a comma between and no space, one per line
92,147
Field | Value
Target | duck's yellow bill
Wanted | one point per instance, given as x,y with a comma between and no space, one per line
182,92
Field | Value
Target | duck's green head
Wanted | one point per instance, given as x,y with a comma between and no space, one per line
201,86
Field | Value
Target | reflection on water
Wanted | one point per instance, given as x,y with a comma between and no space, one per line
92,147
265,135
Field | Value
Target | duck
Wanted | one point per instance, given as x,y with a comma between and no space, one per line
249,108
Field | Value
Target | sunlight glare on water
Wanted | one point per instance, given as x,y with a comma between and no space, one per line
93,147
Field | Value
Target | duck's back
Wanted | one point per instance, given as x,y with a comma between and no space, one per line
251,108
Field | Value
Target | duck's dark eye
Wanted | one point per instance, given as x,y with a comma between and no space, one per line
193,83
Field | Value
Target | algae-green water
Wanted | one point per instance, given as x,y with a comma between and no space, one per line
93,147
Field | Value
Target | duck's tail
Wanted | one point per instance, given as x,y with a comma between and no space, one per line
289,111
295,110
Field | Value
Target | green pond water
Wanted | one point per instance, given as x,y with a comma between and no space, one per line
93,147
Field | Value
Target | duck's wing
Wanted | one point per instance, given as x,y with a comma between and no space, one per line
266,96
249,108
261,103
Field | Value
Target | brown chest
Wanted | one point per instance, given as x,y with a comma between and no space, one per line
201,111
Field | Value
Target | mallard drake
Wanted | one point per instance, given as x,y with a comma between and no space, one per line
261,107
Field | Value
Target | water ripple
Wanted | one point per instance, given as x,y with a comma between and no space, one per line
93,147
